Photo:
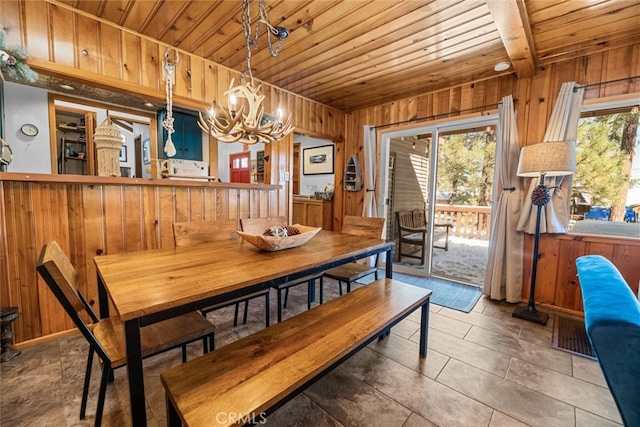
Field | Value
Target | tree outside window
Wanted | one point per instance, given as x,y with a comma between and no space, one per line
606,185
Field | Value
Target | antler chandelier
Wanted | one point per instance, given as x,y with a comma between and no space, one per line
245,120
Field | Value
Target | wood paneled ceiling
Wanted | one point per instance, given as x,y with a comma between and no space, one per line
352,54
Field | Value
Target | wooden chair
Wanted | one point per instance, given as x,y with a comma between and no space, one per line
412,230
197,232
259,226
349,273
106,336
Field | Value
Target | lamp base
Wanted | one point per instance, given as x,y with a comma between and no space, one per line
532,315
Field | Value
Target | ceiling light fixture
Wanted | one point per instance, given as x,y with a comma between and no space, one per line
245,120
501,66
67,87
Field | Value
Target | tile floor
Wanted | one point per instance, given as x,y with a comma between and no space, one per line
484,368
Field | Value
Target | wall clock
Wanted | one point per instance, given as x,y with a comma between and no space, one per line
29,129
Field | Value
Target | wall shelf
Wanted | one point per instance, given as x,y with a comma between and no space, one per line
353,174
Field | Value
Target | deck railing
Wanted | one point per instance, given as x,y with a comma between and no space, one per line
468,221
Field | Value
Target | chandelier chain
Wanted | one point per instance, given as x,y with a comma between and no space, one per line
252,42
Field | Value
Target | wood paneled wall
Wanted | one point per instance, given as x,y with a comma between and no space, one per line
91,219
67,43
557,282
535,98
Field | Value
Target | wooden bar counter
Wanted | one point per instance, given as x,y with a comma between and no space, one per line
90,216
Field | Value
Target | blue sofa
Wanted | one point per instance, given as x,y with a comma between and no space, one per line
612,320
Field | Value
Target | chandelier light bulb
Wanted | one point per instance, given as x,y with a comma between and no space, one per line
233,103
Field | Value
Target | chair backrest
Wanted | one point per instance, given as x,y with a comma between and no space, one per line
62,278
411,219
419,218
193,233
260,225
363,226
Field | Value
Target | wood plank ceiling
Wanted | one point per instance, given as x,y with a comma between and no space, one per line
353,54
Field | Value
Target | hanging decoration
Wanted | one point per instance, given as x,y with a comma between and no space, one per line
13,62
169,78
245,120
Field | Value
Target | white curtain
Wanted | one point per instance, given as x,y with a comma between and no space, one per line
503,279
562,126
369,208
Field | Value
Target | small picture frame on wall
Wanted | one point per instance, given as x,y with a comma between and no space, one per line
318,160
123,153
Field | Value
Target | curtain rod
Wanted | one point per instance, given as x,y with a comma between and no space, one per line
435,116
575,88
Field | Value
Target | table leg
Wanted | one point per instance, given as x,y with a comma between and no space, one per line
134,370
103,299
389,264
424,329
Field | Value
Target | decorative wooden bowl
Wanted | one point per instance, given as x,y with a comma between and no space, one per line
276,243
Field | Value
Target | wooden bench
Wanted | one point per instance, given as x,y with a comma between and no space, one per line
249,378
412,230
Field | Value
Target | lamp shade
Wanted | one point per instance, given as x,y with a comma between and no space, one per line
554,158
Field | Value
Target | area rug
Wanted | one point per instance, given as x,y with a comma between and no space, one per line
447,294
569,334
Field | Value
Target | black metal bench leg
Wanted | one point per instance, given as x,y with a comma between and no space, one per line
424,329
212,342
173,419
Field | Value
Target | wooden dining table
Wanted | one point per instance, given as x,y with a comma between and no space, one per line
150,286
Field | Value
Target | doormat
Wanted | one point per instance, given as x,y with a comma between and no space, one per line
445,293
570,335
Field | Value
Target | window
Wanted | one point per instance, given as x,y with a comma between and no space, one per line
606,186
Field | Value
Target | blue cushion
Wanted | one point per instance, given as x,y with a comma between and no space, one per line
612,320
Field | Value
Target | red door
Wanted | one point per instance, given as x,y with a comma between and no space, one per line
239,165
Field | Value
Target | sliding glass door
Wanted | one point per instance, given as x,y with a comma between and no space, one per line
447,172
462,205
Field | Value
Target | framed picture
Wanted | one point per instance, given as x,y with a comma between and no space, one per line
317,160
123,153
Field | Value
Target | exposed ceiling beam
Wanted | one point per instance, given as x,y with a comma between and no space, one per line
511,19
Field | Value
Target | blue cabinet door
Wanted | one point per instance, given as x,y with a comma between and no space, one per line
191,138
187,137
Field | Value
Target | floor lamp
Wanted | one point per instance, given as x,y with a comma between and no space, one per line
542,160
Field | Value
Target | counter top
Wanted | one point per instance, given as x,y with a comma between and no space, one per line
104,180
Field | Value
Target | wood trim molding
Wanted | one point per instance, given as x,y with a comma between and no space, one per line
120,181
